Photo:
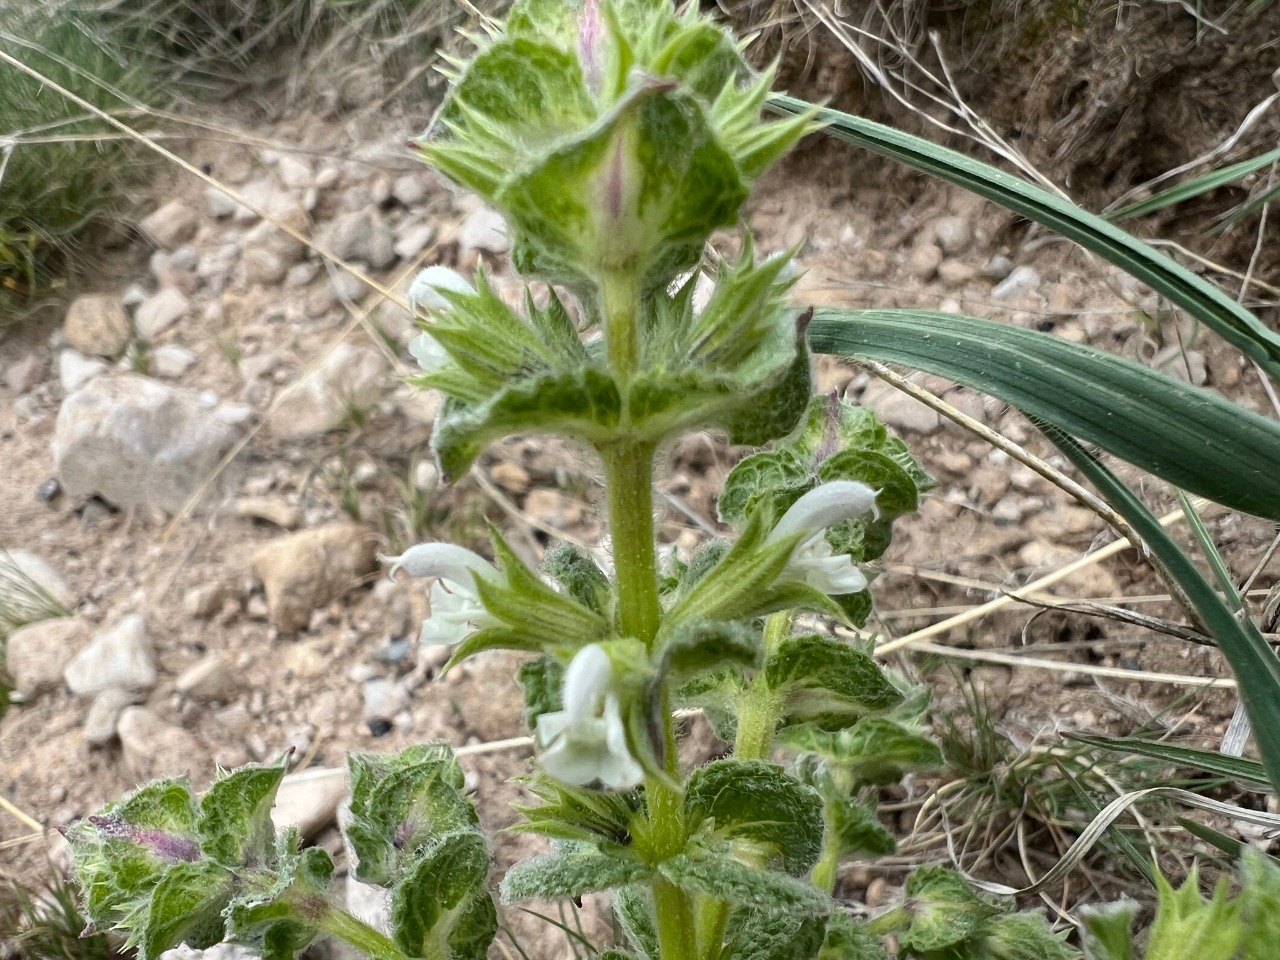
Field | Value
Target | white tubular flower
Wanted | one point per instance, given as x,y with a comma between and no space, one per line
425,295
424,292
812,561
427,351
455,603
587,741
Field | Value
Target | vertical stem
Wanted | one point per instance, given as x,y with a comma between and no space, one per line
628,475
619,305
628,478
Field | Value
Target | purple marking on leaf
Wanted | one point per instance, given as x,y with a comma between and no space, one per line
831,435
613,194
166,846
589,45
403,833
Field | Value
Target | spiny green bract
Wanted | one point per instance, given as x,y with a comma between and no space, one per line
615,136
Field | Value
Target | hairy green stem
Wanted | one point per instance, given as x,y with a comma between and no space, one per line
759,710
377,946
628,477
619,306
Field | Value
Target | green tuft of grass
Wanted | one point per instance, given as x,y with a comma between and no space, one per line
49,926
62,169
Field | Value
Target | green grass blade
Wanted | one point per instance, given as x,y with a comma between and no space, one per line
1252,660
1216,564
1215,838
1189,436
1247,208
1194,187
1197,296
1210,761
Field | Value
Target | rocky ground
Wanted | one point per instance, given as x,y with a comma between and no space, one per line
207,450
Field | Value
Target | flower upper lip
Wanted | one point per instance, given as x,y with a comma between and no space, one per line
453,611
813,561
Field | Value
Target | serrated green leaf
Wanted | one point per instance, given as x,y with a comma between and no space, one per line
825,681
1260,904
186,907
757,476
1181,433
234,821
709,645
849,940
771,935
1022,936
440,904
570,870
541,681
856,829
720,876
1187,925
944,911
399,804
775,411
1106,930
580,576
1194,294
583,403
121,853
896,491
757,802
633,906
872,751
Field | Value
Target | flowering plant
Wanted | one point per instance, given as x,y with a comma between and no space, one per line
615,136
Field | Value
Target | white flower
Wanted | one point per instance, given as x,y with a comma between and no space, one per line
424,292
455,603
425,295
427,351
587,741
812,561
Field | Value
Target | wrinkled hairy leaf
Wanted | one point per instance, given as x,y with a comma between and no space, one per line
1194,294
1187,435
1260,903
755,934
541,682
944,911
873,751
1106,930
721,876
703,646
234,821
399,804
443,901
186,906
827,682
122,852
757,802
849,940
584,403
570,870
580,576
633,906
